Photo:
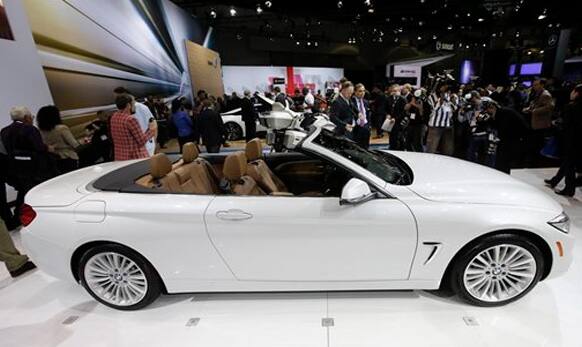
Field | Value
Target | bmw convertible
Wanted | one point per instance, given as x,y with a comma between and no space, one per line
327,215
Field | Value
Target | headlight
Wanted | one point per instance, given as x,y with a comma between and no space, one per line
562,223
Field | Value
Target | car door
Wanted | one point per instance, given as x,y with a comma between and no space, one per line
280,238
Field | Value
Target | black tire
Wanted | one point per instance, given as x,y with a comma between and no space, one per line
154,284
233,131
462,261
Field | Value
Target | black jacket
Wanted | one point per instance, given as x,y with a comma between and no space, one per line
248,112
510,125
572,130
395,107
341,113
211,127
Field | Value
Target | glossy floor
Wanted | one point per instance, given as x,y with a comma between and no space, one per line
37,310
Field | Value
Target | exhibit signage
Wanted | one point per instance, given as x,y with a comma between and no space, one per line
444,46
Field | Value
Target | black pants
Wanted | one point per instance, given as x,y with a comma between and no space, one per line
250,130
396,138
379,119
183,140
362,136
567,170
536,141
67,165
213,149
414,135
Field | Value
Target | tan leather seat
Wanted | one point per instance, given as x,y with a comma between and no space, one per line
235,172
194,174
260,171
161,173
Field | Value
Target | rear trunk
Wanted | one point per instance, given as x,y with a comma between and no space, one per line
67,189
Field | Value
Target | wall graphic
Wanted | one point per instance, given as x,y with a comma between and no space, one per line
205,69
262,78
87,48
5,30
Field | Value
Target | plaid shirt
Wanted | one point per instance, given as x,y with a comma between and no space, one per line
128,139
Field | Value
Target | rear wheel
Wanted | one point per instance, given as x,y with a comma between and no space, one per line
498,270
119,277
234,131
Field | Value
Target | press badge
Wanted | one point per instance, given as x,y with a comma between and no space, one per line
413,116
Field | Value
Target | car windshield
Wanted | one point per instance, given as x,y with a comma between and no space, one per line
384,165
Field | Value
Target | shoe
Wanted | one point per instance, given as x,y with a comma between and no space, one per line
564,192
23,269
551,183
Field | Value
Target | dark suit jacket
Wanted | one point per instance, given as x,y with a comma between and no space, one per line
281,98
367,109
248,112
341,113
395,107
211,127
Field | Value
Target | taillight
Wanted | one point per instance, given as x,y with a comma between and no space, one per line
27,215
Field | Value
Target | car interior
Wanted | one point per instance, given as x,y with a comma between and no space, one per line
249,172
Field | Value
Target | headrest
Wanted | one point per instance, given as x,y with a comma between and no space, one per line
254,150
160,166
235,166
189,152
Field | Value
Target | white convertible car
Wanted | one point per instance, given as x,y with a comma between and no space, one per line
326,216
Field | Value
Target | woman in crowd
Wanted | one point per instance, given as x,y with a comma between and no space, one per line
572,144
58,136
183,123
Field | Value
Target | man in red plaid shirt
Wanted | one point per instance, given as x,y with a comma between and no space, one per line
128,139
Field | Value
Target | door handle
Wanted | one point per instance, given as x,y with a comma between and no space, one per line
233,215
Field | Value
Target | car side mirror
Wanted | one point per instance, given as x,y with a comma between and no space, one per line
356,192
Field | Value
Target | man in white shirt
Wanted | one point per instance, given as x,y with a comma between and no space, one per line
143,116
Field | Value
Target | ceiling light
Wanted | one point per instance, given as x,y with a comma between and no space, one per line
468,14
419,37
434,37
371,10
268,4
368,2
421,23
340,4
528,52
543,15
298,43
291,35
259,9
309,43
450,27
542,51
480,20
232,12
316,43
213,13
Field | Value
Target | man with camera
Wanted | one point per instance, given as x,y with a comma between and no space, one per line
415,122
440,125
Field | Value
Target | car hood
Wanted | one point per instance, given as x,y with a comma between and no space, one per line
446,179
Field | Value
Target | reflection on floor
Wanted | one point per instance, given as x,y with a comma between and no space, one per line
38,310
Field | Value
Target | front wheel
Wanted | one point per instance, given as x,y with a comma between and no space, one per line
233,131
498,270
119,277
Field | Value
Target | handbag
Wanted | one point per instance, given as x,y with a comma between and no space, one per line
388,124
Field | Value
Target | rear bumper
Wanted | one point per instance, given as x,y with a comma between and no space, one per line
50,257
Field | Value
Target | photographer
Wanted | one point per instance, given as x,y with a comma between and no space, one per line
417,112
511,129
470,106
483,140
440,124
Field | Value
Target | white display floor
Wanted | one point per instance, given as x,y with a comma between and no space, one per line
37,310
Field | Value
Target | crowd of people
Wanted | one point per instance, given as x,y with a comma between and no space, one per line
500,127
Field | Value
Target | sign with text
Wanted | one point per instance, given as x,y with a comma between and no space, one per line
444,46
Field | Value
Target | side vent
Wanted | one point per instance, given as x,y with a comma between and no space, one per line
434,248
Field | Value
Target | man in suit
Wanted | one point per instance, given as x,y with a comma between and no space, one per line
249,116
379,103
211,127
540,111
362,126
395,109
342,112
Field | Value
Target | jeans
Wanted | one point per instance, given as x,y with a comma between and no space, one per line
440,138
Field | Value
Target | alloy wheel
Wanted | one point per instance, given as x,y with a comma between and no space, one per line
115,279
500,273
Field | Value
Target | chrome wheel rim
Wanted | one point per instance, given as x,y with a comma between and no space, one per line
500,273
233,131
116,279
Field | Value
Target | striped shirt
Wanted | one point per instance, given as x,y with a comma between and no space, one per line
442,114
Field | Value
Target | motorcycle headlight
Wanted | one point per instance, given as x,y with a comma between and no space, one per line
562,223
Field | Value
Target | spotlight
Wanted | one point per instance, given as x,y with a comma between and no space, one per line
419,38
542,16
340,4
298,43
528,52
259,9
316,44
368,2
450,27
232,12
480,20
542,51
468,14
371,10
421,23
268,4
434,37
213,13
291,35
